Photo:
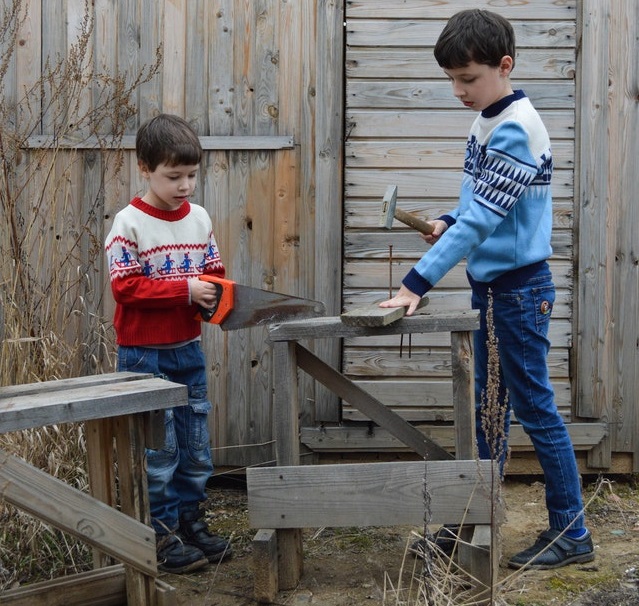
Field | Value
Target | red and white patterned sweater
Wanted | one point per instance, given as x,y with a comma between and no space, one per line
152,254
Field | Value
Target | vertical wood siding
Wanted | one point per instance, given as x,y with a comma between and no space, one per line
404,127
607,323
245,70
242,69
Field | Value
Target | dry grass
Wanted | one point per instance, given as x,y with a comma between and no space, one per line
438,580
51,259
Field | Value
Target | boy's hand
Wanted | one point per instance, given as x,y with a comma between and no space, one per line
403,298
203,293
439,227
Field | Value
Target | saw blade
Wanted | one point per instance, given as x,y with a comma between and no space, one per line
255,307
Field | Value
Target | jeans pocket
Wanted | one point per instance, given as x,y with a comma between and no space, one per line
200,407
137,359
544,301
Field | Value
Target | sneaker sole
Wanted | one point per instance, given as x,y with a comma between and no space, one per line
192,567
578,559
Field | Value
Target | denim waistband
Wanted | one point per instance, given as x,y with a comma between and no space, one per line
511,279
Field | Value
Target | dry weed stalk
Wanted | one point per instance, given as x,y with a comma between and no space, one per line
440,582
51,259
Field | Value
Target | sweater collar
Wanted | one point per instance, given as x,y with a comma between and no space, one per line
496,108
164,215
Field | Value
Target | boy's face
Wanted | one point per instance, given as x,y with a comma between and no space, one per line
169,185
478,86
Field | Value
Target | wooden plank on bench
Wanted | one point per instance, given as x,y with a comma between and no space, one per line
72,383
374,315
332,327
369,494
82,403
79,514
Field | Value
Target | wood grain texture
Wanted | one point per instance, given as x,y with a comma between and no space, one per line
269,76
79,514
373,494
85,403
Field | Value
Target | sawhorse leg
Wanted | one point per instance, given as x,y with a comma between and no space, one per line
477,554
129,435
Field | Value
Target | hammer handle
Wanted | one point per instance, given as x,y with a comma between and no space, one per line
412,221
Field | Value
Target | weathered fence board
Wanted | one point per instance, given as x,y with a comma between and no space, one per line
380,494
262,84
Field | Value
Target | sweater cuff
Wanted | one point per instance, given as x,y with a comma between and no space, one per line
448,220
416,283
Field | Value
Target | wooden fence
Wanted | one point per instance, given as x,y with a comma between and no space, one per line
295,209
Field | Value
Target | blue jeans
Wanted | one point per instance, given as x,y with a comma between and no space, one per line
177,474
521,317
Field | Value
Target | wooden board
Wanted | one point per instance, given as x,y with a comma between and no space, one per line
44,406
363,438
374,315
101,587
368,494
330,327
77,513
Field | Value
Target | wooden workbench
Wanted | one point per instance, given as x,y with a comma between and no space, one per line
123,413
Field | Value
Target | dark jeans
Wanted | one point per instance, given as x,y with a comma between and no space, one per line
521,317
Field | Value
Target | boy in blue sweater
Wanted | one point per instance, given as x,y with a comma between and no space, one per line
502,226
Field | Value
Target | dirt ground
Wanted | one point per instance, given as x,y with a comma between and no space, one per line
354,566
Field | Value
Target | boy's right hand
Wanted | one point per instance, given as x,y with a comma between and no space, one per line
204,294
439,227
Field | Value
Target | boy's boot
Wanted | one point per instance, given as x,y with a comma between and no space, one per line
445,539
176,556
194,531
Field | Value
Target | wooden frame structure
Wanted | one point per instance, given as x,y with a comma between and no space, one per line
285,498
122,409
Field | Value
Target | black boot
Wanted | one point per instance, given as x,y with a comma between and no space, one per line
194,531
445,539
177,557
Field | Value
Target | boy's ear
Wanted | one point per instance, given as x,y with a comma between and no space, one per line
506,65
143,168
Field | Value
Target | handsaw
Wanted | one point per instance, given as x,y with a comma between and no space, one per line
240,306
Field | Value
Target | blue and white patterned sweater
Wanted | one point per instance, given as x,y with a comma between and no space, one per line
504,218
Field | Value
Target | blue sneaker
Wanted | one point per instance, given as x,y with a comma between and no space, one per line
554,550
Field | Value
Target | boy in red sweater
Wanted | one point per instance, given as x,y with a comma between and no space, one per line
158,246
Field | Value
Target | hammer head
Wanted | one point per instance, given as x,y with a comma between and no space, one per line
388,207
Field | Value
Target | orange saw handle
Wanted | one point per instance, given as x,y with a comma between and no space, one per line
225,300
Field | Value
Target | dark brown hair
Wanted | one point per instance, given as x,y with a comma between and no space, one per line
167,139
475,35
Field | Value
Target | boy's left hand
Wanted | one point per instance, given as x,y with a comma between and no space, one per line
403,298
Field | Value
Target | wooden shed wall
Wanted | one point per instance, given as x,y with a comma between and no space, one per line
606,326
262,82
578,62
254,77
405,127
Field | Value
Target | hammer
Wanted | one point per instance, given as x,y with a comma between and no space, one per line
390,212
